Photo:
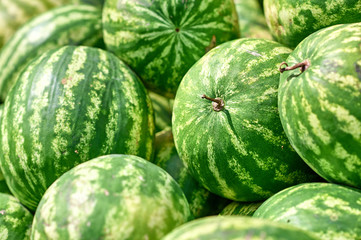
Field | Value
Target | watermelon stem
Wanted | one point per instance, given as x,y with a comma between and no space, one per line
303,65
217,103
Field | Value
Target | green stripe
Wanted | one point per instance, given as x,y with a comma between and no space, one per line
68,25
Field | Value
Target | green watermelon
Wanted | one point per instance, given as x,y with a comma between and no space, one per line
15,219
329,210
240,208
162,39
69,25
320,102
14,13
162,108
237,227
290,21
70,105
251,19
201,201
226,125
111,197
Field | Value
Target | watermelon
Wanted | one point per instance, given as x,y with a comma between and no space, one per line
15,219
111,197
162,39
251,19
162,108
69,25
70,105
226,125
320,102
201,201
14,13
237,227
241,209
330,211
290,21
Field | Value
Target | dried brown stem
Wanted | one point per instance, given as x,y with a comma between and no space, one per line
302,65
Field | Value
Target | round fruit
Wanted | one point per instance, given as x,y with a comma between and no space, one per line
111,197
290,21
162,39
329,210
237,227
226,125
15,219
70,105
201,201
320,102
69,25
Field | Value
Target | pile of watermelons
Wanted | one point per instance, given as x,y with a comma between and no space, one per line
158,119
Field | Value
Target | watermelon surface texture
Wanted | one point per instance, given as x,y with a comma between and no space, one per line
162,39
235,228
70,105
237,148
15,13
241,209
290,21
111,197
68,25
330,211
3,186
15,219
201,201
320,108
162,108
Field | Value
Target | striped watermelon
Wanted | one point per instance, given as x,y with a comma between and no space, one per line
68,106
162,108
15,219
69,25
241,209
329,210
111,197
162,39
251,19
320,109
14,13
290,21
201,201
237,227
226,125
